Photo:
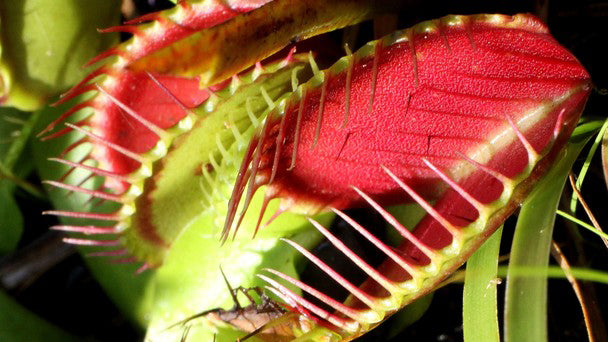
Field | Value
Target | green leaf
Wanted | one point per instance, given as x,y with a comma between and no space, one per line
190,282
596,143
45,43
20,325
11,220
479,312
13,138
526,295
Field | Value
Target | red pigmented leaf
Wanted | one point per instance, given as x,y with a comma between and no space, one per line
470,111
438,91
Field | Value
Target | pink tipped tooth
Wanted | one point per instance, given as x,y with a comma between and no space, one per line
431,254
289,58
410,268
259,66
454,231
307,305
57,134
532,154
63,117
281,209
480,207
89,242
88,230
237,190
117,252
93,193
253,184
251,190
74,92
338,306
69,94
506,181
83,215
109,144
103,55
364,266
149,125
144,267
132,29
267,200
558,126
95,170
368,300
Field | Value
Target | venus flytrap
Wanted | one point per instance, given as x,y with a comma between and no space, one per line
460,115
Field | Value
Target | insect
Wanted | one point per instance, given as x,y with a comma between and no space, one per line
464,111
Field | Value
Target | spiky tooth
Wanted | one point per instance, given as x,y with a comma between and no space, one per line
430,253
356,315
134,30
144,267
88,230
57,134
83,215
364,266
557,129
73,92
310,306
253,183
373,303
88,242
237,192
414,270
63,117
289,58
532,154
95,170
507,182
459,189
109,144
161,133
457,234
93,193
